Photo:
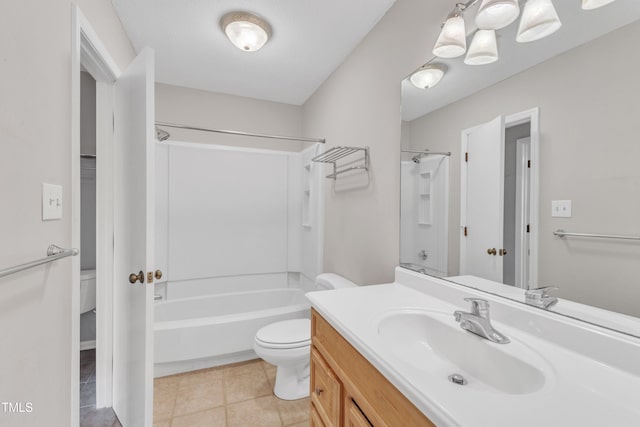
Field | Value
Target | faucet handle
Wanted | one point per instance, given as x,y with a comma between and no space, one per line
479,306
538,293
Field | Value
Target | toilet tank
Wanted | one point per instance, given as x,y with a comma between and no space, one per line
332,281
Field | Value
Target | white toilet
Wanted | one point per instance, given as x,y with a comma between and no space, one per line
287,345
87,290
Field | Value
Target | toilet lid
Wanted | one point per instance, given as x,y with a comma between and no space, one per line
286,334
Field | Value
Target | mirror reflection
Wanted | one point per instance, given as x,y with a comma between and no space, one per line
542,180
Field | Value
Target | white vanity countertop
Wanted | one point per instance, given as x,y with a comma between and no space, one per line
578,391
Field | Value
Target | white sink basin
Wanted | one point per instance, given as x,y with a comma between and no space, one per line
433,341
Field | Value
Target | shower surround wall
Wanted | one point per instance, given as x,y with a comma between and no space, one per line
231,221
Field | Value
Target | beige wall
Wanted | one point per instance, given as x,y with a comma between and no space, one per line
359,105
589,107
199,108
35,118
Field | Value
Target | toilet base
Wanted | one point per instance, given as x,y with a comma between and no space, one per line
292,382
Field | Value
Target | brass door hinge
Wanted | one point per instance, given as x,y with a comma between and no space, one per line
529,164
466,156
465,231
528,228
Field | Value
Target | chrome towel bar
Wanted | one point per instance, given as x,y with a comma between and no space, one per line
562,233
53,253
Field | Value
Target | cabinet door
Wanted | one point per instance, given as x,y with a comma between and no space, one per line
325,390
315,418
355,417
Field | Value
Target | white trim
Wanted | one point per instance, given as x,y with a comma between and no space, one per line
89,52
531,116
87,345
523,213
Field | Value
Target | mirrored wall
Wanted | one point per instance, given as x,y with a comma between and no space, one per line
542,142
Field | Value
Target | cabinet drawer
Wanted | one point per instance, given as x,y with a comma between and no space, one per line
354,416
326,390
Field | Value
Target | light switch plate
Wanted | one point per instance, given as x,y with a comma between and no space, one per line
51,202
561,208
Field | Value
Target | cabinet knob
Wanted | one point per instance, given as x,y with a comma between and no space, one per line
318,391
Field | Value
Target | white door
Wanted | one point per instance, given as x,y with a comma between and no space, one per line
133,243
482,204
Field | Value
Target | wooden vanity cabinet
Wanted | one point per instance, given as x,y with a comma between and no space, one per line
347,391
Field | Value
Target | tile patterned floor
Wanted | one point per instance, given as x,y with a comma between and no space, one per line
238,395
89,415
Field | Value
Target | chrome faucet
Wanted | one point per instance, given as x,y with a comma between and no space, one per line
478,321
539,298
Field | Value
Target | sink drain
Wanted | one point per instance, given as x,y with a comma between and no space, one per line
457,379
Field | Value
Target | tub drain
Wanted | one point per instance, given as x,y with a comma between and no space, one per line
457,379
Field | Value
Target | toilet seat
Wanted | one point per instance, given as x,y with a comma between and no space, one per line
294,333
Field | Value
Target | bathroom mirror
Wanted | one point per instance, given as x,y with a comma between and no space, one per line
564,110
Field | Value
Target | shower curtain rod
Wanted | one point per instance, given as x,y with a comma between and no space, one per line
428,153
235,132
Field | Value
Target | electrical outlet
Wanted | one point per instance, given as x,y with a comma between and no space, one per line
51,202
561,208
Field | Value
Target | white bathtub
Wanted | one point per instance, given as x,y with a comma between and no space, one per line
211,330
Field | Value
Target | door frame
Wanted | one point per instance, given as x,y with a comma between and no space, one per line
88,51
528,116
532,117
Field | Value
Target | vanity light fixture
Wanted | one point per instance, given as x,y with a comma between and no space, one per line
483,49
539,19
594,4
452,41
497,14
246,31
428,75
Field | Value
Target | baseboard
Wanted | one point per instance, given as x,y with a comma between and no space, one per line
171,368
87,345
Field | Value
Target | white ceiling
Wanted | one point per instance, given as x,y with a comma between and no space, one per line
311,38
578,27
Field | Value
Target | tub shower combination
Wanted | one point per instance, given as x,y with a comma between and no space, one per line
237,235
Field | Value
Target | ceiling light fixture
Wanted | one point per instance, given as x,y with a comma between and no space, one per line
428,75
594,4
452,41
246,31
496,14
483,49
539,19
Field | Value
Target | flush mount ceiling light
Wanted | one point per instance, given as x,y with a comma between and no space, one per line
428,76
452,41
496,14
246,31
539,19
594,4
483,49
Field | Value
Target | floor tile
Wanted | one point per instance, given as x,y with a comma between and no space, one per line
302,424
92,417
201,377
88,394
162,424
211,418
261,412
294,411
243,368
172,380
247,386
87,371
88,356
199,397
164,401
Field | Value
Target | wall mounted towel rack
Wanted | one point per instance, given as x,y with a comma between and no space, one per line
53,253
562,233
336,153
